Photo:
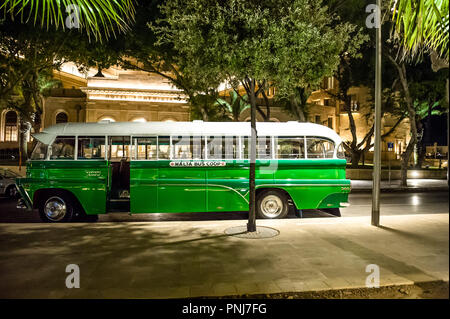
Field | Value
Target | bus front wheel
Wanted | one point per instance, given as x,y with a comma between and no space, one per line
272,204
57,208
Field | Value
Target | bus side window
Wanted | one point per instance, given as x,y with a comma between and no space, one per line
187,147
290,147
263,147
318,147
163,147
91,147
222,147
119,148
146,148
63,148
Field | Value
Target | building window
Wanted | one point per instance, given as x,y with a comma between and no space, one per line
354,104
330,122
327,102
317,119
61,117
11,129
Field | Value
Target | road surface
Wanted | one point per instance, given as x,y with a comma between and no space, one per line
391,204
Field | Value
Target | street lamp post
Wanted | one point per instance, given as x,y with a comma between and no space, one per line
377,133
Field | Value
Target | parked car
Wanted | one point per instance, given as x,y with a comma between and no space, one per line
8,183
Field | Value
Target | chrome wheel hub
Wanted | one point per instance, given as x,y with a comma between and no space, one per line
271,206
55,208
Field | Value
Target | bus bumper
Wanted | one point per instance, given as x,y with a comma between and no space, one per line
343,205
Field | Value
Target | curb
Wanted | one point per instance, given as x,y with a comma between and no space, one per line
401,190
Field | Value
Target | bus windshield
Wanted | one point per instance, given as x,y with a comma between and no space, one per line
39,151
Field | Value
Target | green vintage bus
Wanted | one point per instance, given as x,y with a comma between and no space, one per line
86,169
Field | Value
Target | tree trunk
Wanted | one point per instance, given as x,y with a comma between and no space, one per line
401,69
23,146
251,226
356,156
405,160
205,117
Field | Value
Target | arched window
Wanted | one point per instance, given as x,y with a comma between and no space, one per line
139,119
11,126
61,117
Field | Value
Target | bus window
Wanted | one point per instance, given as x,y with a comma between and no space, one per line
341,151
119,147
263,147
222,147
63,148
145,148
39,151
290,147
91,147
187,147
318,147
163,147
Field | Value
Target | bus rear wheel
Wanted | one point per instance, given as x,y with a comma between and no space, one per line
56,209
272,204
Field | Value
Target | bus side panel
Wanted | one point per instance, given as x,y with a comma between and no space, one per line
227,187
314,183
181,189
87,180
144,186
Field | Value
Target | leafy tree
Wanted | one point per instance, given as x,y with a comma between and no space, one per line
297,103
27,57
235,106
288,43
29,54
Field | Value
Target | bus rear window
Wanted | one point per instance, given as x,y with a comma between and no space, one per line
317,147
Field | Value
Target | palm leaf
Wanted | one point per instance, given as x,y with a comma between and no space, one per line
99,18
422,25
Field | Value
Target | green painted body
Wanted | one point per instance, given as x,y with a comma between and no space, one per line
157,187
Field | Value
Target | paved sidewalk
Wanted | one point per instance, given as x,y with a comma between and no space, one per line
189,259
417,185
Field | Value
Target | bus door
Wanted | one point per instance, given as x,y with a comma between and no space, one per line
119,172
144,175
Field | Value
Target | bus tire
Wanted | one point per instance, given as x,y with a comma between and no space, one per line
272,204
57,208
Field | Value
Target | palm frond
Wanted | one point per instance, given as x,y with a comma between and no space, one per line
99,18
422,25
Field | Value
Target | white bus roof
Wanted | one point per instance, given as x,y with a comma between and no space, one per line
195,128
